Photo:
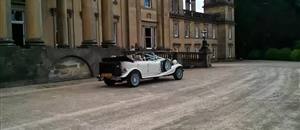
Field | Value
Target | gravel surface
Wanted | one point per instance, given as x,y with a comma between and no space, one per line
259,95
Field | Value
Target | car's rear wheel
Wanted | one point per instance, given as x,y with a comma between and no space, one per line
178,75
134,79
109,82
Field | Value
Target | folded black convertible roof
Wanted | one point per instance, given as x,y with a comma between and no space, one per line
117,59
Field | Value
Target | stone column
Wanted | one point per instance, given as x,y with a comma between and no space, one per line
188,5
34,27
205,54
180,7
88,24
160,19
5,24
62,23
125,24
107,23
193,4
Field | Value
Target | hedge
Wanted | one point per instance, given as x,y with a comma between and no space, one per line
295,55
285,54
278,54
272,54
275,54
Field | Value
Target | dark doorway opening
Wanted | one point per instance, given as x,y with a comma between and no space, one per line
17,20
18,34
148,38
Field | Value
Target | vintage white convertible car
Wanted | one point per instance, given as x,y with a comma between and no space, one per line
133,68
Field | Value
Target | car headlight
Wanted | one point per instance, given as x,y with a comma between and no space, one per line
175,62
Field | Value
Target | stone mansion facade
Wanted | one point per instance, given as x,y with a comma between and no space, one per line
147,24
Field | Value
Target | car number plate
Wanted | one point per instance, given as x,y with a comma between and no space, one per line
107,75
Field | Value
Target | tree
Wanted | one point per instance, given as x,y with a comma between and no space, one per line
263,24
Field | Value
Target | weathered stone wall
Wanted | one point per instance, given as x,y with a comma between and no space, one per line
19,66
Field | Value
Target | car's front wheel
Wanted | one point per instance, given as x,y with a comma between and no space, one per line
178,75
134,79
109,82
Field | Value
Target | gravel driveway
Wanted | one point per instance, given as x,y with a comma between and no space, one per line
248,95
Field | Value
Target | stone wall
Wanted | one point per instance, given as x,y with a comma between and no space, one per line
19,66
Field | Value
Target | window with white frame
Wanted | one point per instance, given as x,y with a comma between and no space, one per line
230,32
115,27
148,3
187,29
149,35
206,30
214,52
210,31
214,33
230,50
232,12
176,29
197,34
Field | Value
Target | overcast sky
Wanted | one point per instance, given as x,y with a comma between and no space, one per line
199,5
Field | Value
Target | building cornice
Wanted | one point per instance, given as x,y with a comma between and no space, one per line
217,4
226,22
18,3
195,16
201,17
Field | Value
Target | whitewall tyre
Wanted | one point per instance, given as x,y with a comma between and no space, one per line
134,79
178,75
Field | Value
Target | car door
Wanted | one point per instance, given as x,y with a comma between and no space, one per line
154,67
143,67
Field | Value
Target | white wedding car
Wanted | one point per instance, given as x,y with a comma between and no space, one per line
133,68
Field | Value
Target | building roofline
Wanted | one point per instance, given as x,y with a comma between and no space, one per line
217,4
195,16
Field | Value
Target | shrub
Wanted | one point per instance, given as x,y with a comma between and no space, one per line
278,54
272,54
295,55
255,55
284,54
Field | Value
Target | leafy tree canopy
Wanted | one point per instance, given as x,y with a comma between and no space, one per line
263,24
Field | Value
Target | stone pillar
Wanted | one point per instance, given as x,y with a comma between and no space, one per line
62,23
5,24
88,24
107,23
34,27
174,6
205,54
188,5
193,4
160,19
140,42
125,24
180,2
